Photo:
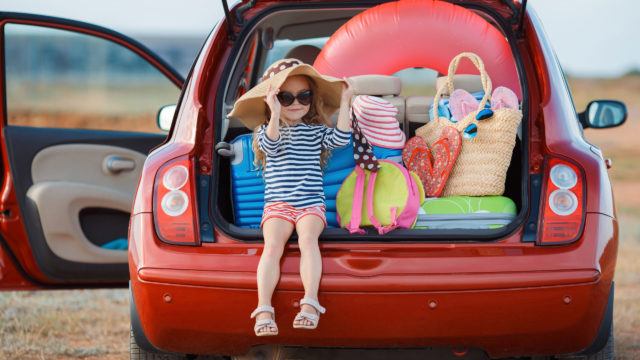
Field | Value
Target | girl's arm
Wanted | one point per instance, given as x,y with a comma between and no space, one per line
273,129
270,147
269,135
345,106
340,136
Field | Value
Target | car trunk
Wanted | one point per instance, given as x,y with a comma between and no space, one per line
222,203
224,206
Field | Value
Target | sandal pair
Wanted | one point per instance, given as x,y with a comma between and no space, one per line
302,315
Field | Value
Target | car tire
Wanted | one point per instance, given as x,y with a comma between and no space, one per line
137,353
607,352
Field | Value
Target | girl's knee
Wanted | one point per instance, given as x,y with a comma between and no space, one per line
308,243
273,251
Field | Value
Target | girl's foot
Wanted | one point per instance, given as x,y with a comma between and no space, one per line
309,314
265,321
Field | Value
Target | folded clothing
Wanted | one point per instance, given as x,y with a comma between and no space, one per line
466,212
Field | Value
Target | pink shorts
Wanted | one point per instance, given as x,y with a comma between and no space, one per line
291,214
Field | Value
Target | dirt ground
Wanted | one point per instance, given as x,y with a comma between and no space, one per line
94,324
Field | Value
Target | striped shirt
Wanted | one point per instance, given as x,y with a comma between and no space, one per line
292,173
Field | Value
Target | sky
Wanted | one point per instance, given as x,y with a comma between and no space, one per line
590,37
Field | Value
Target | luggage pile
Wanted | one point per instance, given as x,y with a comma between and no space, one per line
451,175
247,188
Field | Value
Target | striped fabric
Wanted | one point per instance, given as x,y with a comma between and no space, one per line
287,212
377,120
292,173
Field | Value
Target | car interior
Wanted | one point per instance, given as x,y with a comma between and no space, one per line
302,34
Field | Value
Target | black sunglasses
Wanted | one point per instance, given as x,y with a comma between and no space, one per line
286,98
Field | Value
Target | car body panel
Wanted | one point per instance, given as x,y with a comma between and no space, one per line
562,131
186,291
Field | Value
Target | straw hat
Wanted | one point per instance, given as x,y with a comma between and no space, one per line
377,120
250,107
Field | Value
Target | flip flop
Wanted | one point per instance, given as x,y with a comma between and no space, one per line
503,97
462,103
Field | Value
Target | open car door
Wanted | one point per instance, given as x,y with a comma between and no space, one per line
79,105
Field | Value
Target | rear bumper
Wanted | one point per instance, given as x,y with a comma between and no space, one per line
503,322
198,300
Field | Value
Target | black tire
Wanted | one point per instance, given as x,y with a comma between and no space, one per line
136,353
607,352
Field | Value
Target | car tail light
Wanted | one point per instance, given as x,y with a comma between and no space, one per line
563,203
174,207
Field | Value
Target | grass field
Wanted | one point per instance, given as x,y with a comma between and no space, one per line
94,324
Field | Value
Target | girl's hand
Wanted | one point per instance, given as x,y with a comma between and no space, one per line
272,102
347,90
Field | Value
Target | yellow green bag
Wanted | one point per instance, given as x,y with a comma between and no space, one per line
391,197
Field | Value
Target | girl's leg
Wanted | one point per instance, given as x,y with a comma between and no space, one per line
309,228
276,232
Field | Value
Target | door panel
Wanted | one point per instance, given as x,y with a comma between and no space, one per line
78,107
103,166
59,204
68,179
55,183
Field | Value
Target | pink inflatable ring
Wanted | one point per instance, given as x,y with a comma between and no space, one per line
417,33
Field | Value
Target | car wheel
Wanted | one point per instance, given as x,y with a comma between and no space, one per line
607,352
137,353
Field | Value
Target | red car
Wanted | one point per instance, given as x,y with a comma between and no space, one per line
540,286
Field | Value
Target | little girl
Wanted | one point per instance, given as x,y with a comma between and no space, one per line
292,145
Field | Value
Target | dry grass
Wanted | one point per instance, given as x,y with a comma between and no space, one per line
627,297
94,324
82,106
87,324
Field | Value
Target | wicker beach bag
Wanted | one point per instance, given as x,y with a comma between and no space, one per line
488,139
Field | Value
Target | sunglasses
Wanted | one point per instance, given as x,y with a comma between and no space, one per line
286,98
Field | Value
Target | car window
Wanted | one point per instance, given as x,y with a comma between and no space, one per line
283,46
63,79
415,81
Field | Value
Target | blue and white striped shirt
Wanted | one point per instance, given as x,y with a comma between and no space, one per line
292,173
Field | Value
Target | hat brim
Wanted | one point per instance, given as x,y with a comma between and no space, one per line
250,108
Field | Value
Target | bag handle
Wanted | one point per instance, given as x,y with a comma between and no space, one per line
412,192
372,217
356,207
453,67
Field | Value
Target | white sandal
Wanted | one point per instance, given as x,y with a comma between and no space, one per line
303,315
265,322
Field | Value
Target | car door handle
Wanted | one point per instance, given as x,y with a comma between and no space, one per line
117,164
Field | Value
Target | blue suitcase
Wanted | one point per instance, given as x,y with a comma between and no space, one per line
247,184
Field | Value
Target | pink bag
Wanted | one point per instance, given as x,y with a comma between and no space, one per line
405,219
390,176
